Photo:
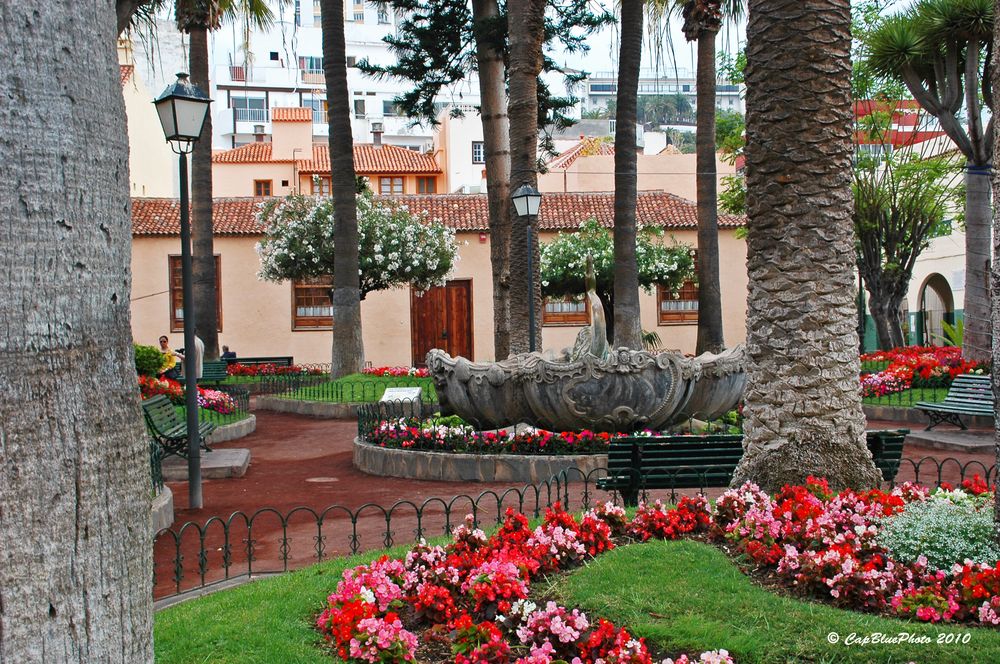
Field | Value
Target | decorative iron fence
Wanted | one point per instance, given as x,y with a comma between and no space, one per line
156,455
198,556
309,387
907,398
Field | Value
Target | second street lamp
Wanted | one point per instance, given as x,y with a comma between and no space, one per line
527,201
182,108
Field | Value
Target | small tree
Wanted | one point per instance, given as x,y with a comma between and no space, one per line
564,264
397,248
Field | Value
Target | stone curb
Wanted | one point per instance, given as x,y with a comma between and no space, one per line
233,431
318,409
453,467
914,416
162,513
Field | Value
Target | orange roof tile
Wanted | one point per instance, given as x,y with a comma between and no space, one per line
587,147
368,159
126,73
291,114
463,212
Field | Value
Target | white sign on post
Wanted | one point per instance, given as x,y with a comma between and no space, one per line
402,394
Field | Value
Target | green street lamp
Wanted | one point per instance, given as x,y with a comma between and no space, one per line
527,201
182,108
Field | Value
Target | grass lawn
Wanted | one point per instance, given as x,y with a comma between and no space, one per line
360,388
205,415
688,596
907,398
681,596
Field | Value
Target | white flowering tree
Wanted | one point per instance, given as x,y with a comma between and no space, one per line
397,248
564,263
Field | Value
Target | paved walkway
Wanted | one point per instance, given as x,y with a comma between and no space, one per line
299,462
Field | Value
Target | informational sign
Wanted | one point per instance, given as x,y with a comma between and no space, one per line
402,394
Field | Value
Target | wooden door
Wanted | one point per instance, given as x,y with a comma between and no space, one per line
442,318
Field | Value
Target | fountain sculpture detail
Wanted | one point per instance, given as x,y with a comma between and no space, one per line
590,386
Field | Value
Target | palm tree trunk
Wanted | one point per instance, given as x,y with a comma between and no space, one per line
206,312
803,407
710,333
348,353
627,330
976,342
526,21
496,139
74,456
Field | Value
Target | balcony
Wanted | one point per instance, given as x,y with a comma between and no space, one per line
252,115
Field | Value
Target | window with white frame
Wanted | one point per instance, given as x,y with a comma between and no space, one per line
478,152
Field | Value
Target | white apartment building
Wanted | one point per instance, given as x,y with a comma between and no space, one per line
598,88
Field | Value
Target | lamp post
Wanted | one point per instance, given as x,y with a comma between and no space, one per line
527,200
182,108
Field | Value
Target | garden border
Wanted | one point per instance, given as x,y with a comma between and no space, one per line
458,467
318,409
161,513
234,430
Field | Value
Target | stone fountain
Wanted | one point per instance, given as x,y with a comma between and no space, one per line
590,386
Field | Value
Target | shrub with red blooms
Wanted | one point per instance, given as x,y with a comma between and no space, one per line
338,622
976,485
595,535
269,369
481,643
608,643
691,515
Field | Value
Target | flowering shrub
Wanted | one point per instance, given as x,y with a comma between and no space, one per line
914,366
396,247
215,400
383,640
420,372
412,433
270,369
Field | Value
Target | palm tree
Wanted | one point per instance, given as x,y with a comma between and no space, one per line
702,22
802,404
348,353
496,142
627,331
526,19
197,18
74,473
937,49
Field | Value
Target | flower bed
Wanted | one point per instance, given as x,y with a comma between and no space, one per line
418,372
213,400
471,601
450,434
913,367
237,369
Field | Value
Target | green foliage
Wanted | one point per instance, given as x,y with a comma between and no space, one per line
396,247
733,197
684,141
732,68
651,341
148,360
730,130
564,261
943,531
663,109
953,334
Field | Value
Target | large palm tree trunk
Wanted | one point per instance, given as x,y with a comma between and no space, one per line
803,407
206,313
976,342
74,459
710,334
496,139
627,330
348,353
526,21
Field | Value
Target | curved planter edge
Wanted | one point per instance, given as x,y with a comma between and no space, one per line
233,431
161,514
456,467
318,409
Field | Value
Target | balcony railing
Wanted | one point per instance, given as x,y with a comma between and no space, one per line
251,114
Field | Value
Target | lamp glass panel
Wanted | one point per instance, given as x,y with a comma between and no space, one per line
534,202
190,117
165,109
521,205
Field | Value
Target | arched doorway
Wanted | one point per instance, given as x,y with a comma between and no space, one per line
937,306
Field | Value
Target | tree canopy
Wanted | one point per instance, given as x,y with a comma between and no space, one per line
397,248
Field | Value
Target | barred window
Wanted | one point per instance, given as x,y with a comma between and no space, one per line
566,311
176,280
311,308
677,307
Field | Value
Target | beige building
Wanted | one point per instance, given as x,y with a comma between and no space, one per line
152,166
263,318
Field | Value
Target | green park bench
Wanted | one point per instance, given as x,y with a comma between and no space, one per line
214,372
169,429
698,462
277,360
969,394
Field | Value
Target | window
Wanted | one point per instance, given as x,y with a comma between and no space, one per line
383,16
317,11
566,311
603,87
318,107
680,307
249,109
478,152
320,186
261,187
391,108
274,56
426,185
359,108
352,61
311,309
311,64
177,292
359,12
392,185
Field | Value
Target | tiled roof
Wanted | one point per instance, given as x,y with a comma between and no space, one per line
368,159
291,114
587,147
126,73
463,212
